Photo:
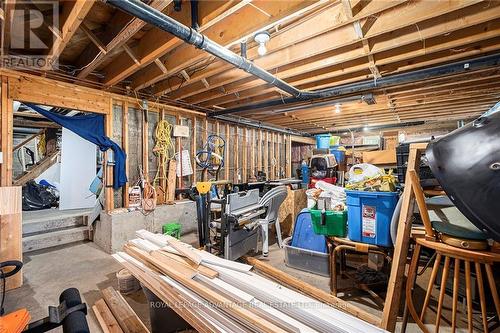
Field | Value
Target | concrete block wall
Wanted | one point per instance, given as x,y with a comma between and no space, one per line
112,231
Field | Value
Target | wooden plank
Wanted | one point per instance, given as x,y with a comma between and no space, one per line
259,151
380,157
272,157
237,169
11,230
396,278
125,150
123,313
105,318
233,308
38,169
311,291
170,196
208,272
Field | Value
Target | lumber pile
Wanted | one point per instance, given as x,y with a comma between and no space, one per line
217,295
115,315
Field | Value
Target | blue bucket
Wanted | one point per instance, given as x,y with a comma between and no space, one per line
323,141
339,155
369,216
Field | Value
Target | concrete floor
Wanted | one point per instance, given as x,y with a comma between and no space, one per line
84,266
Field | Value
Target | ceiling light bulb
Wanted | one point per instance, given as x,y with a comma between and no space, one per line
262,50
262,38
337,108
365,128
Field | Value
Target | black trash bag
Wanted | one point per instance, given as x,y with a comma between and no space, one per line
36,196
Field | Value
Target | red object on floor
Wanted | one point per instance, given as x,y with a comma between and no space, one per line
331,180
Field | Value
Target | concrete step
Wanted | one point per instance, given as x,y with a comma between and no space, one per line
55,238
43,225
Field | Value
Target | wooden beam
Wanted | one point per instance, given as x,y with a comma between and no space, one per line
119,30
73,13
9,6
227,162
125,316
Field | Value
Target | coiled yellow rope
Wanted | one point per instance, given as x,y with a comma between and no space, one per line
163,149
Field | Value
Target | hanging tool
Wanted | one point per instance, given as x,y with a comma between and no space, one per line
211,157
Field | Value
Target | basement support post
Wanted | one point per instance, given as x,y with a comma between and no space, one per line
109,202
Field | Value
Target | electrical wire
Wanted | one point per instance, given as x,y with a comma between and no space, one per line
211,157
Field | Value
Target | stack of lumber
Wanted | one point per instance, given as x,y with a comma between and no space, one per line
217,295
115,315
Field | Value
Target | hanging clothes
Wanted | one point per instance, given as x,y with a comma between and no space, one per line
91,128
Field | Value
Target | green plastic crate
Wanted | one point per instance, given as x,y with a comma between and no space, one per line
335,223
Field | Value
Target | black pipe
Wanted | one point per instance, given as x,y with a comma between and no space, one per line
194,15
243,49
254,124
392,80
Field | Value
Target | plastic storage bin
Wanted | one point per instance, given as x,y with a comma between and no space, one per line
339,155
304,236
332,223
306,260
323,141
369,216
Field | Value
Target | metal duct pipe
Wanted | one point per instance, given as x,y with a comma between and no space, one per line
253,124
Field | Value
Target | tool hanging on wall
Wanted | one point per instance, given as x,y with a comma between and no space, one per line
211,157
164,151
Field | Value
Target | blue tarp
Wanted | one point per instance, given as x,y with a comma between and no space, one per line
91,128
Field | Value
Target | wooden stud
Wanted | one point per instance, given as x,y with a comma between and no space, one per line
131,54
205,138
7,133
194,144
266,154
125,188
252,153
145,144
289,170
244,162
108,169
237,170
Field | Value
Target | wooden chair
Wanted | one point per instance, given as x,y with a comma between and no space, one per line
452,250
338,247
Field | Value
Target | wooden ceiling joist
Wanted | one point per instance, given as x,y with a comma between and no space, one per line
73,13
117,34
226,32
311,70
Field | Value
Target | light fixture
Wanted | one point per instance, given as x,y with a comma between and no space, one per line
262,38
337,107
366,128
